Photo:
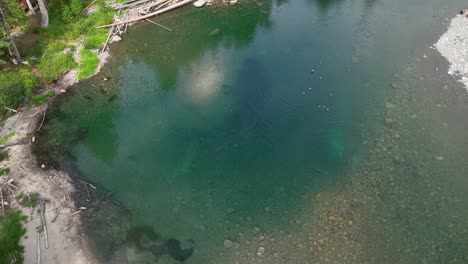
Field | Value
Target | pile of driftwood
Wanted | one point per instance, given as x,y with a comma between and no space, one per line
132,11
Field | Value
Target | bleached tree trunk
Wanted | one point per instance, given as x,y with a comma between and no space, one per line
44,14
12,41
31,8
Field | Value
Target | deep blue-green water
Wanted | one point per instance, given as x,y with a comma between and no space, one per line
225,127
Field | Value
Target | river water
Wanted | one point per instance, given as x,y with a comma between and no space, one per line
272,132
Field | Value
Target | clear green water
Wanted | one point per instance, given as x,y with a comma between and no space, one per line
238,123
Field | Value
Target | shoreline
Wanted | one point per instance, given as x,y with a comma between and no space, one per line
67,243
57,186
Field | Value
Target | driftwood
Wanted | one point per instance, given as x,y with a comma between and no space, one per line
111,32
159,25
30,7
3,206
44,14
38,248
163,10
44,224
11,109
43,118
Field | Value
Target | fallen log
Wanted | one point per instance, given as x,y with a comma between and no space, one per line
43,118
163,10
159,25
44,224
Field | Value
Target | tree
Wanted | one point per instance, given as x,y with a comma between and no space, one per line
7,37
44,13
30,7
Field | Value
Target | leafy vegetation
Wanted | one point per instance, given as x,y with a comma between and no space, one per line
4,171
11,231
3,155
15,86
88,64
29,201
56,59
5,138
15,18
51,54
41,99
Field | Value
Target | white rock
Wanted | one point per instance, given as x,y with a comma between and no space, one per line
116,38
260,251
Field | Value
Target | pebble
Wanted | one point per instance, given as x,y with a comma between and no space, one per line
228,243
260,251
256,229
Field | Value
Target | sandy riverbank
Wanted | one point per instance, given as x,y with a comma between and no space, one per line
66,243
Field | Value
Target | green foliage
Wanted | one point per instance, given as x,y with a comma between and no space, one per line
3,155
11,231
41,99
67,23
30,82
4,171
15,19
5,139
11,90
14,86
95,42
29,201
72,11
88,64
55,61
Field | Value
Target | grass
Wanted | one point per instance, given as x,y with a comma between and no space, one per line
56,59
11,231
95,41
3,155
41,99
29,201
4,171
88,64
5,139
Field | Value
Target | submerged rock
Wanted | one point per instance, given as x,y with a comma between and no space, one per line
177,252
228,243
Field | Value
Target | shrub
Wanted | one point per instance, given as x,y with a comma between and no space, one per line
88,63
11,231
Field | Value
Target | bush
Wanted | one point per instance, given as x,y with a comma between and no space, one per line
11,231
11,90
88,64
72,11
